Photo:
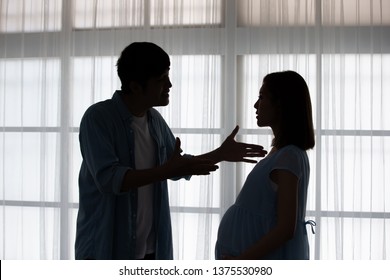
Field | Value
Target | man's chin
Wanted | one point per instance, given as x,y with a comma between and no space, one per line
163,103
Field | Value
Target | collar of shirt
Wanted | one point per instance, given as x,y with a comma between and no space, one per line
123,111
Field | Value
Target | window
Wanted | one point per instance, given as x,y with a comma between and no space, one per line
30,16
276,13
108,14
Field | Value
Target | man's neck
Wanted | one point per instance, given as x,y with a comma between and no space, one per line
134,105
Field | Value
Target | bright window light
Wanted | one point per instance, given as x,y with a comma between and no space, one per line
355,12
275,12
108,14
186,12
30,15
35,101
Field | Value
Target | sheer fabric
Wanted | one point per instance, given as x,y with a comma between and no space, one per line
58,57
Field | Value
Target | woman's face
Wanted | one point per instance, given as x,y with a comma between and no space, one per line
265,109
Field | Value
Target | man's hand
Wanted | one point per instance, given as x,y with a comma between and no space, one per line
179,165
230,150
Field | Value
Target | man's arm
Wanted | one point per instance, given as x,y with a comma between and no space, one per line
233,151
176,166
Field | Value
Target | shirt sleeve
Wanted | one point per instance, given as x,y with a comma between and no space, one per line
289,159
98,151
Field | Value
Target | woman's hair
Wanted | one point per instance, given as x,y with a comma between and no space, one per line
289,92
141,61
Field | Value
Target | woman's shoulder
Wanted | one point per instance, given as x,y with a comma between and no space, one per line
292,147
292,157
292,150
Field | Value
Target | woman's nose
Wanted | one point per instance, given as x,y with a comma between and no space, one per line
169,83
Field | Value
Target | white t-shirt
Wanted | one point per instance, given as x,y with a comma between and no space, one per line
144,159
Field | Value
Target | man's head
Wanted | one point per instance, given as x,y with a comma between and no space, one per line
139,62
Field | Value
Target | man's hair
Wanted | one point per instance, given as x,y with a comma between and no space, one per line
289,92
141,61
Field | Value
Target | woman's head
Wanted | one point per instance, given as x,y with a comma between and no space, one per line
288,109
141,61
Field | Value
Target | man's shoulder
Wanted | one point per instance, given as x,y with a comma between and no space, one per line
102,111
101,107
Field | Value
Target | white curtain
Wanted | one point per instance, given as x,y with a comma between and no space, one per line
57,57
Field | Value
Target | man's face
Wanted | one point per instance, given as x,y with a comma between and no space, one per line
157,89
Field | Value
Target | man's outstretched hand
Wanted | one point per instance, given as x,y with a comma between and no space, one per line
234,151
230,150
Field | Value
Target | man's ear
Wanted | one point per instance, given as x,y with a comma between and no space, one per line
135,87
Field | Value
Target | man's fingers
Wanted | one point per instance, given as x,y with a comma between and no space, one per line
252,147
252,155
178,149
234,132
249,160
202,166
204,169
253,150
